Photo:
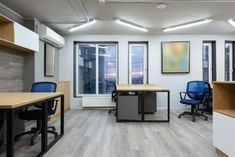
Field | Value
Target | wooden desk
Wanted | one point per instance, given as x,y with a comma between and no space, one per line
13,101
141,89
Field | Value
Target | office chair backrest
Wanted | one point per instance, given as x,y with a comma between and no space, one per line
46,87
43,87
207,90
114,86
195,90
114,93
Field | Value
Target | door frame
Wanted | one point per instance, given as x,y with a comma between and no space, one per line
232,64
213,59
146,59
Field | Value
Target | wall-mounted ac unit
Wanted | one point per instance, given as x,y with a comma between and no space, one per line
48,35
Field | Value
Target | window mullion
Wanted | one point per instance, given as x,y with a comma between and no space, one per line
130,64
97,69
77,68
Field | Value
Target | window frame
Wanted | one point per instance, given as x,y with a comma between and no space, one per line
146,59
76,73
213,60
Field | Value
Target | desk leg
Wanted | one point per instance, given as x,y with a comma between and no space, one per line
142,106
168,106
44,127
62,116
10,133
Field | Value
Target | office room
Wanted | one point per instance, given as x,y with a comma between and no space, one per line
117,78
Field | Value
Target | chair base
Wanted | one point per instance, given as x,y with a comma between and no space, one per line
36,132
115,111
193,113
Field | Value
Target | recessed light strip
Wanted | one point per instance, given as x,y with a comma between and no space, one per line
131,25
231,22
82,25
187,25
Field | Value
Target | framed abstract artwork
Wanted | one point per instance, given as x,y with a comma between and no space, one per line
49,61
175,57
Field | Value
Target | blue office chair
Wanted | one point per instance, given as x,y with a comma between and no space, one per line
196,93
36,113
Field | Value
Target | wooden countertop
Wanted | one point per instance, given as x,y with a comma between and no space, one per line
17,99
230,113
140,88
224,82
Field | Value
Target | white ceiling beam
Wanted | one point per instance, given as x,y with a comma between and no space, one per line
11,11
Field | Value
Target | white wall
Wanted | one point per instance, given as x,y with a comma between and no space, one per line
175,82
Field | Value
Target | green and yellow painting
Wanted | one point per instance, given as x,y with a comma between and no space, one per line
175,57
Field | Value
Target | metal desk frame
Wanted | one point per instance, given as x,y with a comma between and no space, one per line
44,138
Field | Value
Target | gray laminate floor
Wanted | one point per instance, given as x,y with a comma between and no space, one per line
94,133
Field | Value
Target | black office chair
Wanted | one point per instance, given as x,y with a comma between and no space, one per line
196,93
36,114
207,99
114,98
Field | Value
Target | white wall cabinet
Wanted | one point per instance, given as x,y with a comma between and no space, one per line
25,37
16,36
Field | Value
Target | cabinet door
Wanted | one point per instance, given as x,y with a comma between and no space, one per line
25,37
224,133
127,106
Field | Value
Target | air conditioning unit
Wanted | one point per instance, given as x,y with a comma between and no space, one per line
48,35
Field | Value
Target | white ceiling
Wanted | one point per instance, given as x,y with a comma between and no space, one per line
62,14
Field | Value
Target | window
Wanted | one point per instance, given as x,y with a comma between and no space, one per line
209,61
95,68
229,63
138,63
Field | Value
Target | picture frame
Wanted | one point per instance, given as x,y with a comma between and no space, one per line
49,60
175,57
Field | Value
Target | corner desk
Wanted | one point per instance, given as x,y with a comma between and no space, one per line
224,118
141,89
13,101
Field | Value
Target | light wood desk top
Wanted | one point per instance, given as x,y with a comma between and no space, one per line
140,88
224,82
10,100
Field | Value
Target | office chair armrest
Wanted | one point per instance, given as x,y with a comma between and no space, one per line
183,95
56,102
207,97
209,93
52,109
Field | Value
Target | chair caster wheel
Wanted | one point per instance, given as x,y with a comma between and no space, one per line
32,143
17,139
179,116
206,119
193,119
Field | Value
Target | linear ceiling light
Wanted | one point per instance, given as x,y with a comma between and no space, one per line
231,22
131,25
187,25
82,25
